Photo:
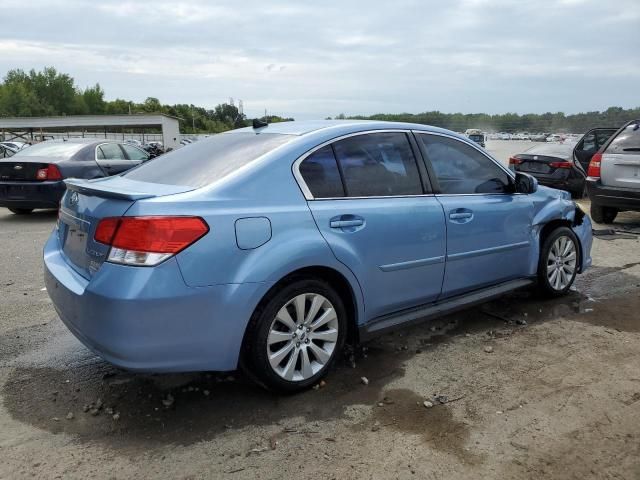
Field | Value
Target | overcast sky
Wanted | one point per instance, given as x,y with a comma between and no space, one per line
321,58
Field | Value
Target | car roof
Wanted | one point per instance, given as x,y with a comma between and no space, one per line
86,141
339,126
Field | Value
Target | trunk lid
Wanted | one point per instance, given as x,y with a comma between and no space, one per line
22,169
620,170
85,203
620,164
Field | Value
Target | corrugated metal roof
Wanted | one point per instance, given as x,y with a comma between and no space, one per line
70,121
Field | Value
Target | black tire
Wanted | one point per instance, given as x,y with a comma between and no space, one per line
255,360
602,214
21,211
544,283
579,193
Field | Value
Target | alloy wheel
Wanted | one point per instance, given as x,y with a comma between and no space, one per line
302,337
561,263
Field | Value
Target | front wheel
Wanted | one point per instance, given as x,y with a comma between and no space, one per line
558,264
295,337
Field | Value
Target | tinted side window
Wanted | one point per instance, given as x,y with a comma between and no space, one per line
627,141
321,174
110,151
134,153
603,136
378,164
589,143
462,169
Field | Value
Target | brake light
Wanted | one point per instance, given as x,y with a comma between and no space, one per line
594,166
515,161
50,173
147,241
561,164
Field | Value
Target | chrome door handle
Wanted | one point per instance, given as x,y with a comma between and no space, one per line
346,223
460,216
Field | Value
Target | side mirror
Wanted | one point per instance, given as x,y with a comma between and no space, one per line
526,183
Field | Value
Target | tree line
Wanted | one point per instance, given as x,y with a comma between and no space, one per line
49,92
513,122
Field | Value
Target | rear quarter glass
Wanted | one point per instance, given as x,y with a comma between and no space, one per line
209,160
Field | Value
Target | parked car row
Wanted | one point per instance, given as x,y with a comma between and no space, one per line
33,177
604,163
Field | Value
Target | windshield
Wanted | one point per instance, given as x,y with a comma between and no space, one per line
206,161
51,149
476,138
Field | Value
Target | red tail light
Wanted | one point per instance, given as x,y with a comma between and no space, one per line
148,240
515,161
50,173
561,164
594,166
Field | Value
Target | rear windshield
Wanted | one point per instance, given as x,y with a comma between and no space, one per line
51,149
560,151
203,162
627,141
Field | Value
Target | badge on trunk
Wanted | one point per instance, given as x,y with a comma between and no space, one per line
73,200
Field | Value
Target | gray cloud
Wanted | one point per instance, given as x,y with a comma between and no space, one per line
310,60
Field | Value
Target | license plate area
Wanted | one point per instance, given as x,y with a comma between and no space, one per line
74,233
535,167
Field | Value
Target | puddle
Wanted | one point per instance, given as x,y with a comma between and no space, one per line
403,410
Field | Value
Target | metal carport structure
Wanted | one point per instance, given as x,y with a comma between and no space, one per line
25,127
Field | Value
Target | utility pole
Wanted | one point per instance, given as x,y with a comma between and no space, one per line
193,120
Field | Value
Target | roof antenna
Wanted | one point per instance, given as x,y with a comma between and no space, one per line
257,123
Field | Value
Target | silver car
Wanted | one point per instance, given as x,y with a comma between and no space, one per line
613,177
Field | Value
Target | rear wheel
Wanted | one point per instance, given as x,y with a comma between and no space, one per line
601,214
558,264
21,211
295,337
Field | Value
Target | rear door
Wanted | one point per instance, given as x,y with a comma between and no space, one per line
112,159
589,144
368,197
620,165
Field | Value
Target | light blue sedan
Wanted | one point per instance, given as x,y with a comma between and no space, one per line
270,247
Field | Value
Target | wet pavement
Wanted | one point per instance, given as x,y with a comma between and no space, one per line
67,413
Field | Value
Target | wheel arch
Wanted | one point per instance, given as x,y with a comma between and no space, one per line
349,293
552,225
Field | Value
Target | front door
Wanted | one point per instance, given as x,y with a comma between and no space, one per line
489,228
373,208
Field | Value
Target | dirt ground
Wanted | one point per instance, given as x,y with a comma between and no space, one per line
557,394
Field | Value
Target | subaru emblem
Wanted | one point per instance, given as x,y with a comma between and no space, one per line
73,200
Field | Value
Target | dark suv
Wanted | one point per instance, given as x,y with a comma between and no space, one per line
613,175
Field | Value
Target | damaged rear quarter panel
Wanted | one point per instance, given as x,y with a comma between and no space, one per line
552,205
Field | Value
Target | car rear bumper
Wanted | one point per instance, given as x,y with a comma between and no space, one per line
31,194
562,179
148,319
616,197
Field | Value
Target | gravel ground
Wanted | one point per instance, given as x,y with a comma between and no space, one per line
520,388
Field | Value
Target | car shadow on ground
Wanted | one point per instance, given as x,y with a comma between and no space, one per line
96,402
35,217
